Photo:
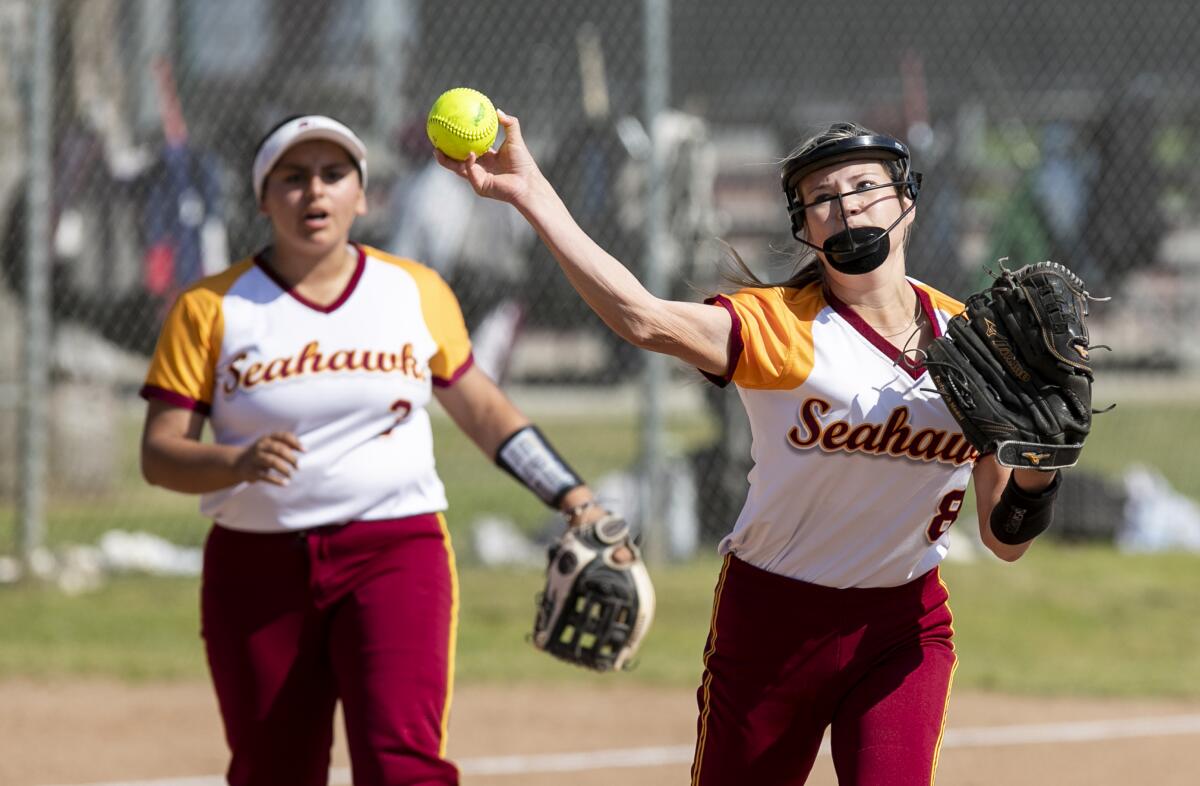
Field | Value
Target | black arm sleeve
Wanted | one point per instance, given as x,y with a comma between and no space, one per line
1022,515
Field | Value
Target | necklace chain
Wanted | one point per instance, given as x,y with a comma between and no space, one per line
912,321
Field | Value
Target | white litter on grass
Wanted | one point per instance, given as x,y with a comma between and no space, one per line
10,570
143,552
80,568
73,569
497,541
1157,517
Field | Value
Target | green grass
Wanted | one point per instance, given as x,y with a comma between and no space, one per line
474,485
132,628
497,614
1155,434
1062,620
1158,435
1081,621
1085,621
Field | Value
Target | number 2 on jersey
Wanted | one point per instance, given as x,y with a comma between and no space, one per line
403,409
947,513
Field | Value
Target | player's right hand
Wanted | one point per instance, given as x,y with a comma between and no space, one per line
271,458
507,174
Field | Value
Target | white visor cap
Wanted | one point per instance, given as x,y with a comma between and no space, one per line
305,129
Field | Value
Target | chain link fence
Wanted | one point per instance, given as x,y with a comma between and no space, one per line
1063,130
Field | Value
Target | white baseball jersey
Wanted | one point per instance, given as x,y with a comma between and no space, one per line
859,469
351,380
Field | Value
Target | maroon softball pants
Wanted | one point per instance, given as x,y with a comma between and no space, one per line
364,613
787,659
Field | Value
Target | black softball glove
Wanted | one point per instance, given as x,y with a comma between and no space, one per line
594,612
1014,367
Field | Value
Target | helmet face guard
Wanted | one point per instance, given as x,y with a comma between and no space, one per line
860,249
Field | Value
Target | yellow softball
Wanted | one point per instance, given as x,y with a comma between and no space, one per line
462,121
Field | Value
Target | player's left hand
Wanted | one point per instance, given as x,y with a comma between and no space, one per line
507,174
598,601
1014,368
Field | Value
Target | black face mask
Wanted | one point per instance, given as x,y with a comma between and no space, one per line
858,250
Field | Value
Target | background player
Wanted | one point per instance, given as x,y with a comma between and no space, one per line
829,610
328,573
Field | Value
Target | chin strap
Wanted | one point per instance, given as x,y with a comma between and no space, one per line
857,259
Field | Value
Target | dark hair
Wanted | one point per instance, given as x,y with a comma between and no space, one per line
808,268
263,139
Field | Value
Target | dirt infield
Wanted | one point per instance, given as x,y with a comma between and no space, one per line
91,732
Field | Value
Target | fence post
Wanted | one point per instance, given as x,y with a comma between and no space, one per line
653,455
393,31
36,346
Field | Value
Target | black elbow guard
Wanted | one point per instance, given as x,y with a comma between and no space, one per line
1021,515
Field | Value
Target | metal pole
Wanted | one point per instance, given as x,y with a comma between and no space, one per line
155,22
653,454
35,367
393,33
